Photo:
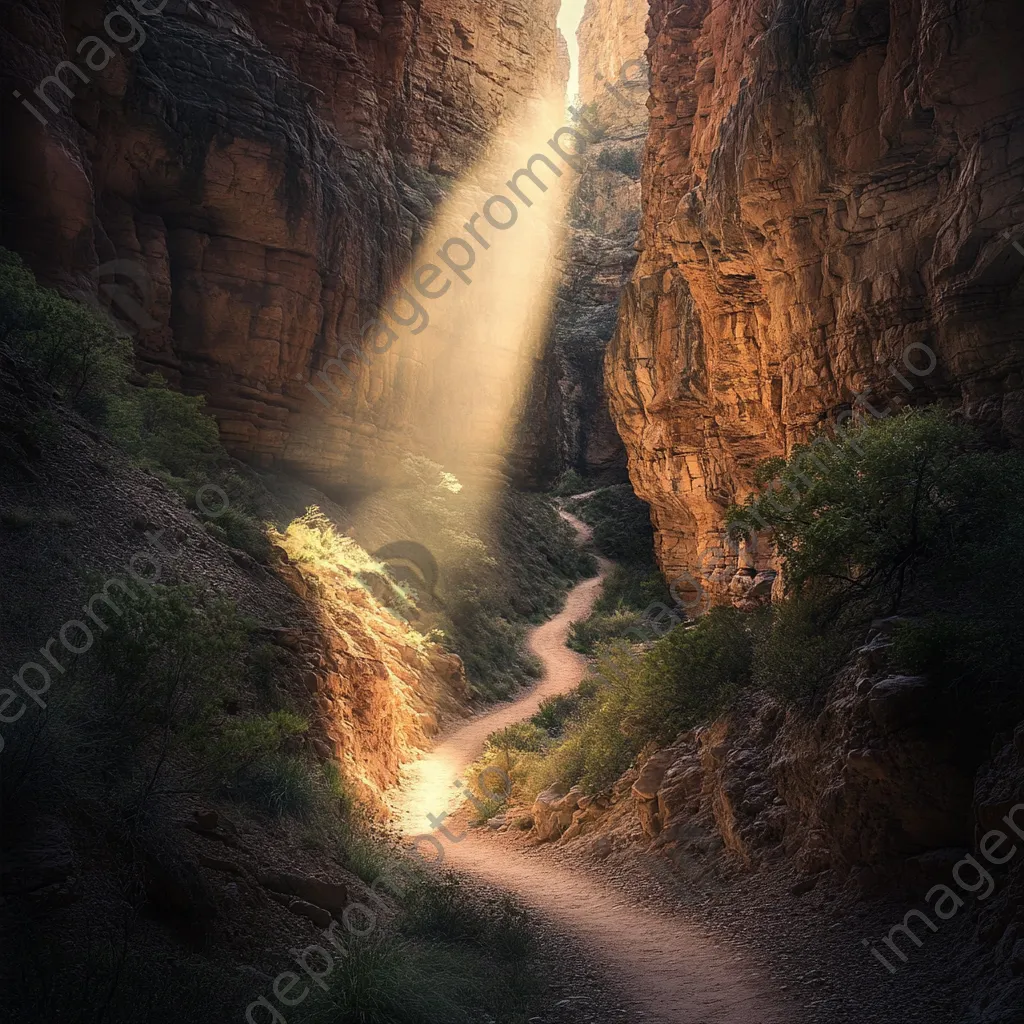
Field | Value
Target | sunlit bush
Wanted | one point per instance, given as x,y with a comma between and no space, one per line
313,538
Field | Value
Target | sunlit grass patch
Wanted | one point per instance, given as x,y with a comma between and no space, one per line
314,538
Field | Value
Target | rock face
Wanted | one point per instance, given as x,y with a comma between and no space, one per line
271,168
565,423
613,39
831,192
864,793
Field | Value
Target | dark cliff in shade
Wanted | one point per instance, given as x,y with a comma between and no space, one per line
270,166
566,423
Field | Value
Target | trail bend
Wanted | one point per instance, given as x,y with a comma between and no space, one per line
671,969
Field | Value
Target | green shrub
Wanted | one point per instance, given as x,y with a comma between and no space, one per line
522,736
556,712
242,531
621,159
863,515
384,980
621,524
89,361
164,429
586,635
280,785
799,646
246,740
631,606
634,587
440,907
687,677
75,349
135,720
570,482
565,763
912,514
366,857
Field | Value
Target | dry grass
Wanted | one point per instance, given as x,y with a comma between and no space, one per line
313,538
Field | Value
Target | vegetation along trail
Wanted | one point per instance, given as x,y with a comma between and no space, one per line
672,970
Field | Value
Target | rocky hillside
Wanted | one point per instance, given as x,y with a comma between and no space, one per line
268,169
858,811
831,191
371,688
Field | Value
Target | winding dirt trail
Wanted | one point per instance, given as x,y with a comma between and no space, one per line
672,970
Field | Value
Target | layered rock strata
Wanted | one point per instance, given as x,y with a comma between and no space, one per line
565,423
270,168
831,192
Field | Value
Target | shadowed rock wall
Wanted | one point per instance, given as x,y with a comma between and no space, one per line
566,423
272,164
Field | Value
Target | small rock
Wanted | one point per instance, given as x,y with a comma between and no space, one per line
206,820
320,917
332,895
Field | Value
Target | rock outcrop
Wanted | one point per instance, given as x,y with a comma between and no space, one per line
862,794
864,787
831,192
269,169
371,688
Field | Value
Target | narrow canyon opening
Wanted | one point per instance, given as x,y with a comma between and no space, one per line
510,511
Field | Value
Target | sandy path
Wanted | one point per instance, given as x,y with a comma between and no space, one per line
672,970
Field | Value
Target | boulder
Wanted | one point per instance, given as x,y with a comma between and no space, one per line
900,701
680,788
320,917
553,810
651,774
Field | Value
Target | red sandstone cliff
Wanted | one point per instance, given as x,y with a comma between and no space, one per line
828,186
272,164
612,40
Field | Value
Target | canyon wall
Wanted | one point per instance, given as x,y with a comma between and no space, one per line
831,190
565,422
613,39
271,166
